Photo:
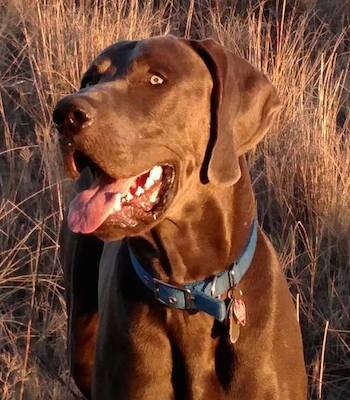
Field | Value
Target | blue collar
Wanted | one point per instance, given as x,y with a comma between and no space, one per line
201,295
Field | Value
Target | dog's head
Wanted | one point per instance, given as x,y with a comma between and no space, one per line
152,119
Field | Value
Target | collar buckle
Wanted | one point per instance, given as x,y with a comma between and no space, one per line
213,288
170,294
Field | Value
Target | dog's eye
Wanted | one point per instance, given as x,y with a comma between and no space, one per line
85,84
156,80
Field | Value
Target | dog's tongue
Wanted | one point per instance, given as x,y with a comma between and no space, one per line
90,208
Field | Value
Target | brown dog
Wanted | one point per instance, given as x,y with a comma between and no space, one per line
192,304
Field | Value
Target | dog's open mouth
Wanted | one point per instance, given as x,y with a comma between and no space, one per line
125,202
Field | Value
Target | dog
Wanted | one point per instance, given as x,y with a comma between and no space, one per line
173,290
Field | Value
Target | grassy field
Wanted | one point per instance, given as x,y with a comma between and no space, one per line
301,172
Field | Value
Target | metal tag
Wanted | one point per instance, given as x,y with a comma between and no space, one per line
233,324
240,311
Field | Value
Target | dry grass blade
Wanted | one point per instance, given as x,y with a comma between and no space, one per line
301,173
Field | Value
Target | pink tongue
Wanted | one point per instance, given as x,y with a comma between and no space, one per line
90,208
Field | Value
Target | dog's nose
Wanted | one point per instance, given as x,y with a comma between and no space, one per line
72,114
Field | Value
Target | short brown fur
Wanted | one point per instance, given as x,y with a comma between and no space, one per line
213,109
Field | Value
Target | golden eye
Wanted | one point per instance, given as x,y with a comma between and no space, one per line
156,80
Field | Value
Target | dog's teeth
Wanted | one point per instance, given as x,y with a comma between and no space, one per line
156,172
149,182
153,197
129,197
139,191
117,202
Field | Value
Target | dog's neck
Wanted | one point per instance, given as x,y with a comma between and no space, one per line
187,248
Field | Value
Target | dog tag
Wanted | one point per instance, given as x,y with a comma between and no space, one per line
239,311
233,324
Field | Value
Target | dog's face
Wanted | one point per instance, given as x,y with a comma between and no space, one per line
140,123
154,120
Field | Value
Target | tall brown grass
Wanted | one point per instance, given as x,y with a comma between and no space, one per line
301,172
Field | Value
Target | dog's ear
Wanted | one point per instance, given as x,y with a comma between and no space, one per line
244,103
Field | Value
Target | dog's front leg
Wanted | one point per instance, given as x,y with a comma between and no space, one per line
134,364
133,358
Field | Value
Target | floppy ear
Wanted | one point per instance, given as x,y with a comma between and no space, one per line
244,103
